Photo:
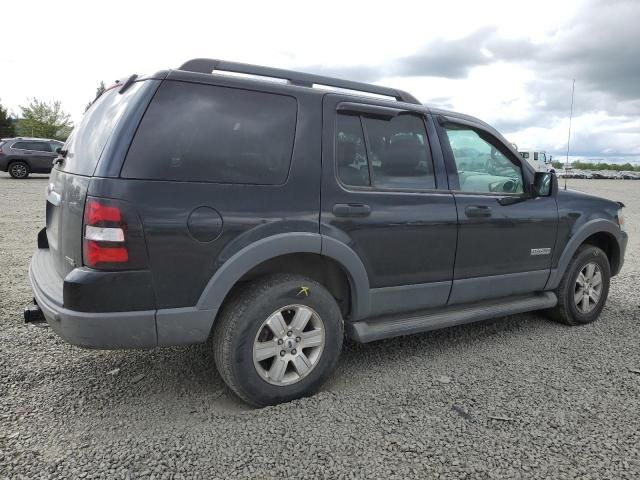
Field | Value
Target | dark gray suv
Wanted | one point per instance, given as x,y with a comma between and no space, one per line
22,155
271,218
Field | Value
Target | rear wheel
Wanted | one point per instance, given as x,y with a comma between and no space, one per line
584,288
278,339
19,170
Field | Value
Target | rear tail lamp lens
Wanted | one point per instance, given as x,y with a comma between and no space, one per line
112,236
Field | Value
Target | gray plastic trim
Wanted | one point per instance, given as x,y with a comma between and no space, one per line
577,239
282,244
408,297
97,330
241,262
497,286
394,326
183,326
358,278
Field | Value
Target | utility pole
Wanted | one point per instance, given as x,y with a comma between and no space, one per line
566,165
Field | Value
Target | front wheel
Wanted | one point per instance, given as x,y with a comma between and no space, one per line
584,288
278,339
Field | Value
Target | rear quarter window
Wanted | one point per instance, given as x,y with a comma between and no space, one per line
205,133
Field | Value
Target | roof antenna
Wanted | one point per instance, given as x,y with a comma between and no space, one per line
566,165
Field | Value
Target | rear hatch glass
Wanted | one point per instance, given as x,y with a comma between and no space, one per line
89,138
69,181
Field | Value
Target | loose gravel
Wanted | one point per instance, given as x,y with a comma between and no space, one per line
517,397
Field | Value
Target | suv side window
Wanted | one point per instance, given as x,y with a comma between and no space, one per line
351,153
395,154
20,146
39,147
206,133
482,168
399,152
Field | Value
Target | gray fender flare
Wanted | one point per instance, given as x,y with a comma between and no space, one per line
282,244
178,326
593,226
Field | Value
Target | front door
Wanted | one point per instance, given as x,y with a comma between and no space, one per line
505,236
380,197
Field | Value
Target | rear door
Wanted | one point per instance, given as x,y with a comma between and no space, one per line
505,237
381,195
41,156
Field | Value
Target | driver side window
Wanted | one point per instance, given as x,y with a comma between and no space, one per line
482,168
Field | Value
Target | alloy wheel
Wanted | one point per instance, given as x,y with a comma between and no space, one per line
18,170
288,345
588,288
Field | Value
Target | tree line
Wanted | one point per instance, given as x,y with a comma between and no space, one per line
579,165
40,119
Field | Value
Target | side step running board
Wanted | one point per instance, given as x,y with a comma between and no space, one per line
393,326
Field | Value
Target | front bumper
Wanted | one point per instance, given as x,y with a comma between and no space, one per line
130,329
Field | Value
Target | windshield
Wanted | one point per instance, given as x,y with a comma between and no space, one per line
85,144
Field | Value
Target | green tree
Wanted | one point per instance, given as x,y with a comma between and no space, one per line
626,167
99,91
557,164
7,126
44,119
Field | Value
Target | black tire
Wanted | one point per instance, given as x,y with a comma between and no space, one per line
19,170
567,311
241,320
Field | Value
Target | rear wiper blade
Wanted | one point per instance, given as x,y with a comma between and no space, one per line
128,83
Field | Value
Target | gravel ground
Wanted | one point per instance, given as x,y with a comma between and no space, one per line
518,397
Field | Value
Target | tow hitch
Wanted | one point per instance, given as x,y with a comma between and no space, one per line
33,314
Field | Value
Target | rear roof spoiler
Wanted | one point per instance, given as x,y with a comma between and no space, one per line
206,65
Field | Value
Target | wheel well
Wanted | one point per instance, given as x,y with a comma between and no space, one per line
608,244
14,160
323,270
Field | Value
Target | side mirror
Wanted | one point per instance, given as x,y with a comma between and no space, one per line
543,184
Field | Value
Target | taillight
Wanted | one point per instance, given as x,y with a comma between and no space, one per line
112,236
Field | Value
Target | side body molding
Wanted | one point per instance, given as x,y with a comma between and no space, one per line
585,231
193,324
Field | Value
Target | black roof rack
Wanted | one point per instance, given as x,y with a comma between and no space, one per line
206,65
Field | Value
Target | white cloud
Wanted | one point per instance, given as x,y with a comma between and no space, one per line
71,46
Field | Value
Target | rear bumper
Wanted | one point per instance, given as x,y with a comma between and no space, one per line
134,328
131,329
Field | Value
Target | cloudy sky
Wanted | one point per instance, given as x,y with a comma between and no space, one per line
510,63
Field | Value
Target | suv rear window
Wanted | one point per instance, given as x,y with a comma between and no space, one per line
89,138
195,132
